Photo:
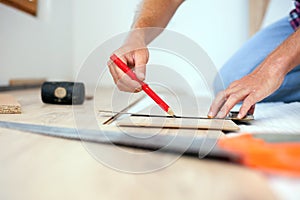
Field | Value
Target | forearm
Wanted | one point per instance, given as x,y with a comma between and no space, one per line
153,13
284,58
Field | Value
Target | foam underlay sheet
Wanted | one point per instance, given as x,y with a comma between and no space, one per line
275,118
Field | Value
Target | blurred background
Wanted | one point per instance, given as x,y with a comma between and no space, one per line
54,43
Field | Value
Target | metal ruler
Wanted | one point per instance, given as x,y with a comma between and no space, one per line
117,114
231,116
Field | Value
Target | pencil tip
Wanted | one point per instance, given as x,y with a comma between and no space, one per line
170,112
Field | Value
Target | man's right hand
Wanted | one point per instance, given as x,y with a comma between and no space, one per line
152,13
136,57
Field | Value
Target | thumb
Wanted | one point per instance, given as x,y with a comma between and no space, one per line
140,59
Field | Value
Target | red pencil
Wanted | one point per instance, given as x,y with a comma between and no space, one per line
145,87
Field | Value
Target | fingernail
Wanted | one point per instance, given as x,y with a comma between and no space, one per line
210,115
137,90
239,116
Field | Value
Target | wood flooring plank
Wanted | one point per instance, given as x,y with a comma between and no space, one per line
156,122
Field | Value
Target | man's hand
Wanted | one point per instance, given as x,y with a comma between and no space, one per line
152,13
250,89
136,57
262,82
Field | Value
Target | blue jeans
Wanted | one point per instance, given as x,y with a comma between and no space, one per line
254,51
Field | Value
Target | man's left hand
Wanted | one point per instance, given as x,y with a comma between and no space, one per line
250,89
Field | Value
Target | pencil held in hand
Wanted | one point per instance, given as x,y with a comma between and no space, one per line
145,87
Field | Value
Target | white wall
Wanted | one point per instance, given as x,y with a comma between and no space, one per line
214,25
36,47
96,21
219,27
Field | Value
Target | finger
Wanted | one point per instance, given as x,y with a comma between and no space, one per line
112,71
125,88
227,106
141,59
251,110
130,84
217,104
233,87
115,71
122,80
128,59
231,101
247,104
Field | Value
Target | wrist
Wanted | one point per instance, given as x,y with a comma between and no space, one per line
286,56
272,68
136,37
279,65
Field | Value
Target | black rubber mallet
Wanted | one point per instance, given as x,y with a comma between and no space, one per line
64,93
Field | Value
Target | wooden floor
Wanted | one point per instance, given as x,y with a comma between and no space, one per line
42,167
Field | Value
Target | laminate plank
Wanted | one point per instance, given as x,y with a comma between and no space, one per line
160,122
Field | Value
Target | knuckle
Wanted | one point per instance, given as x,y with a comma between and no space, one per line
234,96
233,84
227,92
255,95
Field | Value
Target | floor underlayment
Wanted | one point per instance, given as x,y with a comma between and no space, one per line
275,118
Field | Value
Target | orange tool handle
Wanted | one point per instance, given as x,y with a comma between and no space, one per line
279,158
